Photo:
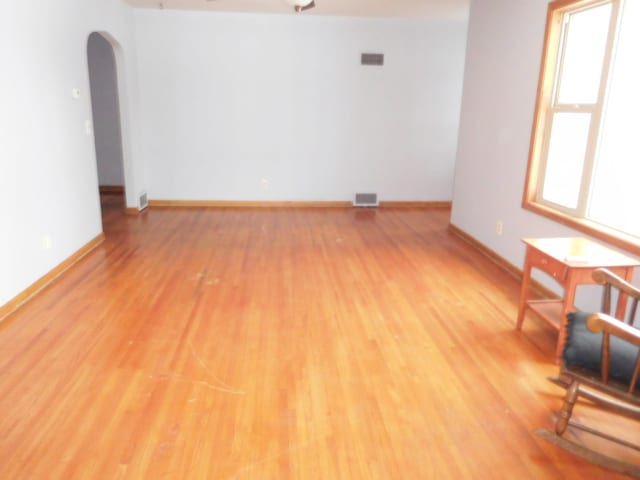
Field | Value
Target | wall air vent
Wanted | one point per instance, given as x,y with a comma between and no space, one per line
144,202
366,200
376,59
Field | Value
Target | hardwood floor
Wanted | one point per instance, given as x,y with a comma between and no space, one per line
281,343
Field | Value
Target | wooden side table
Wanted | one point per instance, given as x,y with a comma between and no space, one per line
570,261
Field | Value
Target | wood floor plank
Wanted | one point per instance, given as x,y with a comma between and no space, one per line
275,343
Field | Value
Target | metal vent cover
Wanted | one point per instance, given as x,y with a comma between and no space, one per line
376,59
144,202
366,200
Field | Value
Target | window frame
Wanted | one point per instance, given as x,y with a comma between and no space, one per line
545,107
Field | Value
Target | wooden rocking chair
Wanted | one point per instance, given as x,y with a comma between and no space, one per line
601,361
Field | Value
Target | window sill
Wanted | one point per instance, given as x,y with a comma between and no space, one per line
595,230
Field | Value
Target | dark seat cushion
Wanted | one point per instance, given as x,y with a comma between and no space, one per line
583,349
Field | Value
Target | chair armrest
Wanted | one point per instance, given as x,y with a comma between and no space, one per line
601,322
602,276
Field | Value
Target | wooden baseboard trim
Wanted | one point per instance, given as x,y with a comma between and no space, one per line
245,204
418,204
111,189
40,284
288,204
501,261
133,211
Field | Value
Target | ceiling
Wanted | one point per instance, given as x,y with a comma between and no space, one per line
359,8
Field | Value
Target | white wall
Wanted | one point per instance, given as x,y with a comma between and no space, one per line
48,180
504,51
106,110
230,99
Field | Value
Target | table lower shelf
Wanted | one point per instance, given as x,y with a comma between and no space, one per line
549,310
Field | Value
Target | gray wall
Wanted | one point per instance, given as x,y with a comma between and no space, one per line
230,100
49,203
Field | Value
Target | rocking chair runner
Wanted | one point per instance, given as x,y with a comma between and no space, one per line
601,359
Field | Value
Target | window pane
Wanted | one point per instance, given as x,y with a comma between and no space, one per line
565,159
583,55
615,193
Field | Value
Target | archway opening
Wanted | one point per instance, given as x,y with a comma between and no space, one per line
107,129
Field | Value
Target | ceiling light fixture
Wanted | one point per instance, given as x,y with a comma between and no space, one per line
302,5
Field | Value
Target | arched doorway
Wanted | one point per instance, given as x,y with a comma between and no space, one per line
107,129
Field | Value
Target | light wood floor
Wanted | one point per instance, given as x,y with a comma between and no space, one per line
275,344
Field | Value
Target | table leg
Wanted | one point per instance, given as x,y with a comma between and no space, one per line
524,290
567,307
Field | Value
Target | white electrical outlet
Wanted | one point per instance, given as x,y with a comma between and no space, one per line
46,242
499,227
264,183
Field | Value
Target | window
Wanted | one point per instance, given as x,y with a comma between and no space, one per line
584,161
